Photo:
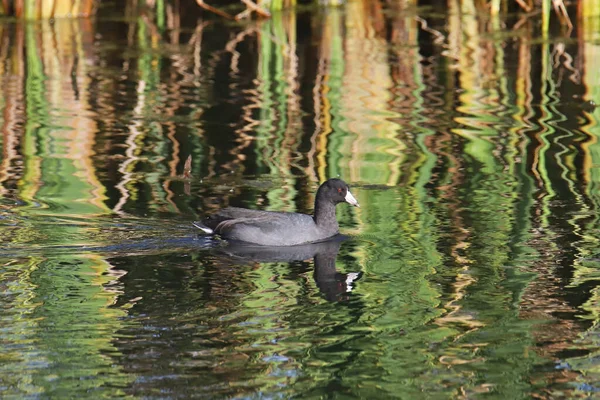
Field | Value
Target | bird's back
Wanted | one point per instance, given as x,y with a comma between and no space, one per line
270,228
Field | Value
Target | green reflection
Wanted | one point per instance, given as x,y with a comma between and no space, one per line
468,144
61,339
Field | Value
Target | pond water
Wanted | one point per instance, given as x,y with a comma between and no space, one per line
469,271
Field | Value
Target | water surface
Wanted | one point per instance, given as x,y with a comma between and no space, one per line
469,271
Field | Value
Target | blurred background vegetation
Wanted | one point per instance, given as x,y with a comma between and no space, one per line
470,128
239,9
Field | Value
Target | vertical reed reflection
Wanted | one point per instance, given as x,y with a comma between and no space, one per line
473,146
55,316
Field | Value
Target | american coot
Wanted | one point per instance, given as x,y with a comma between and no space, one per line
272,228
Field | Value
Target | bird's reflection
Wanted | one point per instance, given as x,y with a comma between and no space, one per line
334,285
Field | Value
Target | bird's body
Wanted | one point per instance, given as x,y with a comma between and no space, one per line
273,228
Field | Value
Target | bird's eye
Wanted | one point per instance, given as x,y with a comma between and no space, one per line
339,190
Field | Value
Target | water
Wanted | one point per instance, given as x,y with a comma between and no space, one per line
469,271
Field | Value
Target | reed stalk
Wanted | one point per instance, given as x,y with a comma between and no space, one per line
495,7
75,8
160,14
545,17
31,9
47,9
87,8
63,9
276,5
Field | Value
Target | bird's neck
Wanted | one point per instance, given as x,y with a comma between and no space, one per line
325,215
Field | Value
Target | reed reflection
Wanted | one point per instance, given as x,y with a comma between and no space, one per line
480,143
